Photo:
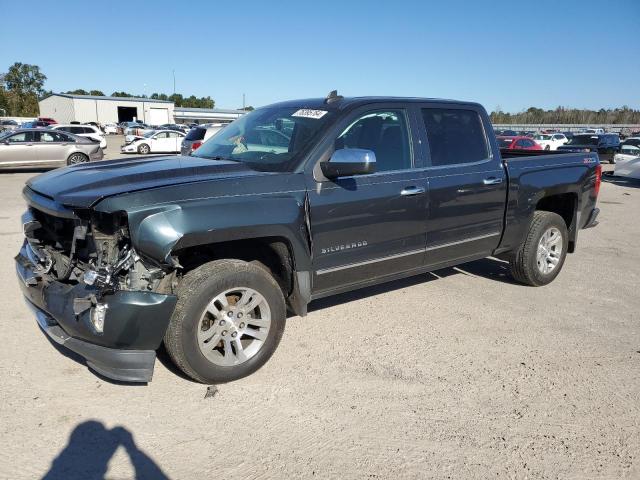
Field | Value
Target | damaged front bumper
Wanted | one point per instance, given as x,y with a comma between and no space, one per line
134,324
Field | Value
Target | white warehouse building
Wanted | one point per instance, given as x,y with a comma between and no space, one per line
66,108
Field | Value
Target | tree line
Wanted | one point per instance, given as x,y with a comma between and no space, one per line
23,85
566,115
177,98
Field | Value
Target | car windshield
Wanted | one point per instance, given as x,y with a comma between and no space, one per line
542,137
505,142
149,134
630,149
268,139
584,140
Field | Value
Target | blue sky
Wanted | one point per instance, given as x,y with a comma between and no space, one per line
513,54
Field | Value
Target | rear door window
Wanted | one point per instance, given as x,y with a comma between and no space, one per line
455,136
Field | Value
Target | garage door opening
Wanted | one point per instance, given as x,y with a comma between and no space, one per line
158,116
127,114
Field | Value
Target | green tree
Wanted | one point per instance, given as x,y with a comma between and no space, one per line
78,91
23,84
97,93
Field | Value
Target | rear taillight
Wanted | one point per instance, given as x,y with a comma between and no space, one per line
195,146
598,179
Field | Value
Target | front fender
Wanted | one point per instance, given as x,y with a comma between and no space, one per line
158,231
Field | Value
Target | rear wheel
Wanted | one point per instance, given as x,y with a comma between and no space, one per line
76,158
541,256
228,321
144,149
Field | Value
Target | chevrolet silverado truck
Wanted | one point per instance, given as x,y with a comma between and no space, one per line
292,202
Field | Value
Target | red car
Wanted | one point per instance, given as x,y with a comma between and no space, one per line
518,143
47,120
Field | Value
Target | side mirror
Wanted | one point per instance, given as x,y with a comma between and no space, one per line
349,161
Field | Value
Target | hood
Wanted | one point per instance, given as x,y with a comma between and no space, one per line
83,185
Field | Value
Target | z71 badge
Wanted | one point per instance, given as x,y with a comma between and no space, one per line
346,246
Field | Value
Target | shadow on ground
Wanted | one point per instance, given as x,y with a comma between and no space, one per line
621,181
91,446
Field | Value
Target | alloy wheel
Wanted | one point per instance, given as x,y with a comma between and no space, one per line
549,250
234,326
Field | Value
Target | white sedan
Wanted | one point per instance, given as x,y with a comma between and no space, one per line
627,162
110,128
550,141
156,141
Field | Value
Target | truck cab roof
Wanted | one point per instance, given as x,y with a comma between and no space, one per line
344,103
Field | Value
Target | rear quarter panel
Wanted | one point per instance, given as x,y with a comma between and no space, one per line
533,178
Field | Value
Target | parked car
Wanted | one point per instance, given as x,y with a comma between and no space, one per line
627,161
88,131
156,141
137,129
8,125
47,120
95,124
208,252
550,141
198,135
605,145
517,143
110,128
45,148
35,124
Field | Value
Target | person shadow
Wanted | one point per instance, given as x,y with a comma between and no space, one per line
89,450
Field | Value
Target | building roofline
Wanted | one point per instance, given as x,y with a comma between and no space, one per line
208,110
100,97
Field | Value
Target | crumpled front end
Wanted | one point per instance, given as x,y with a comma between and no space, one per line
91,291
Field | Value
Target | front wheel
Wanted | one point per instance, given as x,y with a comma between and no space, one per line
228,321
548,147
540,258
144,149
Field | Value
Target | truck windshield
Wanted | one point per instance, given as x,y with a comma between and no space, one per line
584,140
268,139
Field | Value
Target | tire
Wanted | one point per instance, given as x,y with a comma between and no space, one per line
525,265
76,158
196,338
548,147
143,149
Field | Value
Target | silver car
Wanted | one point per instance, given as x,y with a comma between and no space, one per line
37,147
198,135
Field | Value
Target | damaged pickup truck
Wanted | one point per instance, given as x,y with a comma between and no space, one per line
292,202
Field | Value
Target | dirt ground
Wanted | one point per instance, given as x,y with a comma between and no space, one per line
456,374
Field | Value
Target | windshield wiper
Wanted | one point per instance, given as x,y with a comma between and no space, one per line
216,157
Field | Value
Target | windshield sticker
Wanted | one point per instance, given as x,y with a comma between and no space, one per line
306,113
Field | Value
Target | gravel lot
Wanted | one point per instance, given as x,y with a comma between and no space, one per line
456,374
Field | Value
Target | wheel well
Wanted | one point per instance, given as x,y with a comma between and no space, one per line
273,252
563,204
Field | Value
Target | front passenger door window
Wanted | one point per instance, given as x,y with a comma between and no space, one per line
385,133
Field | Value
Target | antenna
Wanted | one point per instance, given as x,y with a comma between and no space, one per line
333,97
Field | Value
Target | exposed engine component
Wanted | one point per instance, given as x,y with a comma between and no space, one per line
95,250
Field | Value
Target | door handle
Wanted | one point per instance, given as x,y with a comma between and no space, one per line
492,181
409,191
